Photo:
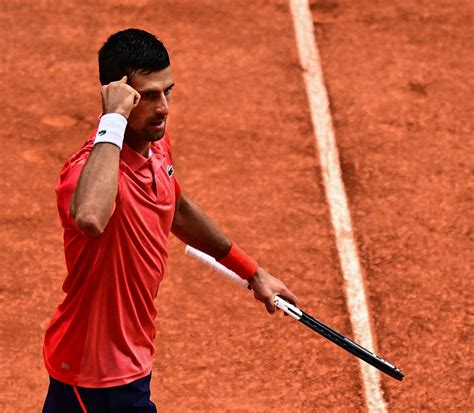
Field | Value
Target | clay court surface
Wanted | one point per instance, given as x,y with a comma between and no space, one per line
400,82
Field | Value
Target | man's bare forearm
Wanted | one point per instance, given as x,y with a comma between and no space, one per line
192,226
93,199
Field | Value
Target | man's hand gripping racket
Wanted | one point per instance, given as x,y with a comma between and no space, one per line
305,319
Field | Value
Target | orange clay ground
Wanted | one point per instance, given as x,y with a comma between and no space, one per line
399,78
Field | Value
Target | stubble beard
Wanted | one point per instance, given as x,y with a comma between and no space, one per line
156,136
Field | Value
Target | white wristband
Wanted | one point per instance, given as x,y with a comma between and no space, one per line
111,129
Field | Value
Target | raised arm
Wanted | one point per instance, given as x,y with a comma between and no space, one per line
192,226
92,202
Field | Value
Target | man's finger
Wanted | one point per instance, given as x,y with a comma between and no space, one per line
290,297
124,79
270,305
136,98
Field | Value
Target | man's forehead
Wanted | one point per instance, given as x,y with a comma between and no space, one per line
160,79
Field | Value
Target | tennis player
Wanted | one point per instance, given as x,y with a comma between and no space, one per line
118,199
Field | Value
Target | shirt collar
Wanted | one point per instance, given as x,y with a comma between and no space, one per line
133,159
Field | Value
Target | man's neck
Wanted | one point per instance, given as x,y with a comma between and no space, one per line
142,147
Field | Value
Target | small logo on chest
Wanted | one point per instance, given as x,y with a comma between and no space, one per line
170,170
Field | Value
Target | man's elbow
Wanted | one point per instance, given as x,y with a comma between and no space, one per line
89,224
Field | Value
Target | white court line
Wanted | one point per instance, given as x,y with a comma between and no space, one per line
336,196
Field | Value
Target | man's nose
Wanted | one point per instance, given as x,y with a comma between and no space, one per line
162,106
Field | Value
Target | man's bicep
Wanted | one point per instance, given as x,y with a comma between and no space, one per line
65,193
179,211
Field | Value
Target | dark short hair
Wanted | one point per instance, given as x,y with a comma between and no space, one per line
129,51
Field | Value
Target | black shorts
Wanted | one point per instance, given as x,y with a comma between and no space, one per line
133,397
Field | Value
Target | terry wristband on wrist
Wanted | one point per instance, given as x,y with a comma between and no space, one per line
111,129
240,262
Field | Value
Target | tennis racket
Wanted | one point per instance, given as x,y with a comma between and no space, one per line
306,319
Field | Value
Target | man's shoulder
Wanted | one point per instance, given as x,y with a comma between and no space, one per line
83,152
77,158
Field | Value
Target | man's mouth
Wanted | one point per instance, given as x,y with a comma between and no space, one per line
157,123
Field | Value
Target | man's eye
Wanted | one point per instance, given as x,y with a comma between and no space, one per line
167,92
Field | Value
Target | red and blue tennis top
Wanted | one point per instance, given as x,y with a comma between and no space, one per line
101,334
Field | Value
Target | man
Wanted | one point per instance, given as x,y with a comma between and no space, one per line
118,200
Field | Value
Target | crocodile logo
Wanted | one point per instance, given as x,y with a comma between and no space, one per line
170,170
102,132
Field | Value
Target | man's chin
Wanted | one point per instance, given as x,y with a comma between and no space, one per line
156,136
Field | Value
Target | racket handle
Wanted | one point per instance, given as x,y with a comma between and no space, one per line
287,307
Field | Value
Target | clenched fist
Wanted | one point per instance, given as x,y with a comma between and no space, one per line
118,97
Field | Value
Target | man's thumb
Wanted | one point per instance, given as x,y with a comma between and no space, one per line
270,306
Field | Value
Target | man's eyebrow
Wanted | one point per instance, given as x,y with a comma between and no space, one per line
155,90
